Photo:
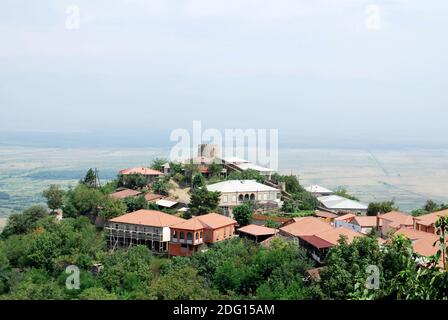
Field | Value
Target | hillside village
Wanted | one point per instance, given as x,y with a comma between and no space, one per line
229,228
170,227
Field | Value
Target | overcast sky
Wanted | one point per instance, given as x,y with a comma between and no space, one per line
316,70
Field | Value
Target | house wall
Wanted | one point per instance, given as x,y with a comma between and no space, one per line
429,229
233,198
132,227
221,234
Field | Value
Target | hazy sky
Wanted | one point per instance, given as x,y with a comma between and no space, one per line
334,70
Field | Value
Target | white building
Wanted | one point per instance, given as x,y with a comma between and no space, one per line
236,192
318,191
244,165
341,204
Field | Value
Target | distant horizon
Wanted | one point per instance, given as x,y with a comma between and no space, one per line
161,140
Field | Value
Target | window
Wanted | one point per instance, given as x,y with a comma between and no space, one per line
197,235
265,197
182,236
174,235
225,232
135,228
225,199
240,197
233,198
189,236
116,226
200,235
246,197
252,196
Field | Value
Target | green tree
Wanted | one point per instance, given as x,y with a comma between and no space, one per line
243,214
176,168
376,208
307,201
111,208
161,186
5,270
272,224
55,197
343,192
203,201
215,169
96,294
198,181
36,284
90,179
23,222
135,203
157,164
83,200
128,273
190,170
180,284
132,181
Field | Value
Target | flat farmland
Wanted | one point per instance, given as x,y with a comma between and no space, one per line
408,176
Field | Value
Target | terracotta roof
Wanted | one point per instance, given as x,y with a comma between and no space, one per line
345,217
365,221
267,243
206,221
148,218
190,224
413,234
317,242
425,246
431,218
306,226
332,236
256,230
314,273
203,169
324,214
141,170
125,193
215,220
398,218
152,197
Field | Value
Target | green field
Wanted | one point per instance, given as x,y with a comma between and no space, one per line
409,176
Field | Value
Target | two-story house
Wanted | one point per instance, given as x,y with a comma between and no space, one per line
187,237
142,227
236,192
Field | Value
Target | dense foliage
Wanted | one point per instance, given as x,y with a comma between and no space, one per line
203,201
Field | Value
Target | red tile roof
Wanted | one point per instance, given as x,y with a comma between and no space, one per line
398,218
332,236
425,246
413,234
345,217
324,214
317,242
206,221
365,221
306,226
125,193
141,170
431,218
257,230
148,218
150,197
